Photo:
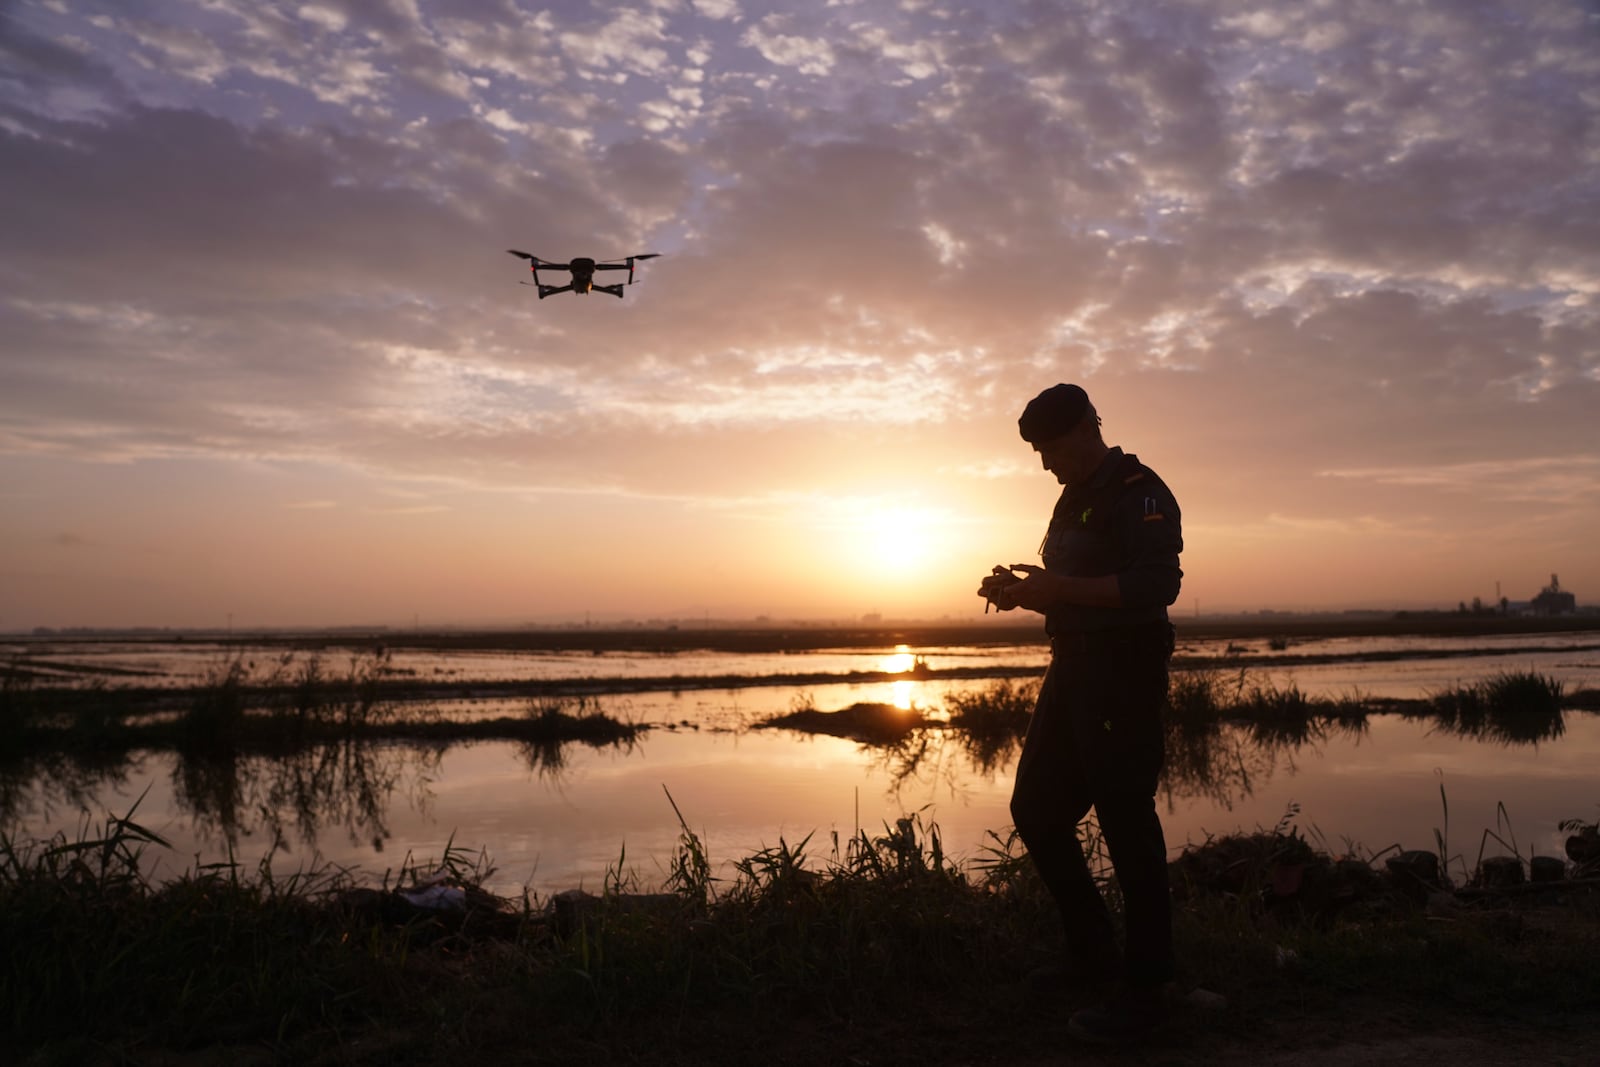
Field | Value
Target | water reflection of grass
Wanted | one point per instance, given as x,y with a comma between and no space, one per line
549,724
869,723
243,706
986,725
1516,706
299,794
326,749
321,750
1226,729
884,950
993,719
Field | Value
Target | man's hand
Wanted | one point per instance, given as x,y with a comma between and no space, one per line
1037,589
1022,585
993,588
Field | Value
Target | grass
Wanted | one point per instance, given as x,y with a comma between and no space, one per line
96,957
321,752
287,746
1224,727
1513,706
1204,696
866,722
242,707
291,701
992,720
880,949
873,947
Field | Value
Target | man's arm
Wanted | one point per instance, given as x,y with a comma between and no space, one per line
1043,591
1149,524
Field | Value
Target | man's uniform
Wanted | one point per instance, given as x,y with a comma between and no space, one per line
1096,735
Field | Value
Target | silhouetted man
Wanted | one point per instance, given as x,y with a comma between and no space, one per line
1110,570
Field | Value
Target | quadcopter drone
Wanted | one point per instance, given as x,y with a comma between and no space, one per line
582,271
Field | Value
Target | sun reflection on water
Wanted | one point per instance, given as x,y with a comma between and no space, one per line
900,661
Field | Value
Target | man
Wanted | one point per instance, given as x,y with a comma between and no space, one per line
1110,571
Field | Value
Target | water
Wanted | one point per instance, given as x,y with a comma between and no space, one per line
1570,658
552,821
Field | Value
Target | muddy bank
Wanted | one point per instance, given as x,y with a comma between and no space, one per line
1023,631
807,637
130,699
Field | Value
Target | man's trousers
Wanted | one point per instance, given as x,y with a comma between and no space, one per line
1096,740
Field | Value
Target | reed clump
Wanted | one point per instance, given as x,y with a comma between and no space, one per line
1219,724
1514,706
870,723
1202,695
999,710
280,707
992,721
1196,697
215,716
18,708
549,724
292,700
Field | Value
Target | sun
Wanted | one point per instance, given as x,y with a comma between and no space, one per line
899,540
872,539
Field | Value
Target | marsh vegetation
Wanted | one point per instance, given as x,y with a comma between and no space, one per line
877,947
279,749
881,946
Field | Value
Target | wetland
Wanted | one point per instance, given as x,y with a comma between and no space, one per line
697,848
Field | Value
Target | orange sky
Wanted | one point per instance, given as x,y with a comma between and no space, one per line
263,358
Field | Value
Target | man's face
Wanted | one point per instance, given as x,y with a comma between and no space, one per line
1063,456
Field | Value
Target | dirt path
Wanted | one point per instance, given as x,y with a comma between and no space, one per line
1510,1048
1466,1050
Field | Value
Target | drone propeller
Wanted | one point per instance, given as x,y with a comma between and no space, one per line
625,263
524,255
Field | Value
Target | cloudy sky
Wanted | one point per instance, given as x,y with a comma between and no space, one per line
1332,268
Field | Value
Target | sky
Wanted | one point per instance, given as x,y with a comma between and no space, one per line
1332,269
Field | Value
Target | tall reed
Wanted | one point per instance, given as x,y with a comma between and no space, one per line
1514,706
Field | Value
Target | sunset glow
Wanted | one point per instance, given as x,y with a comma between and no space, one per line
1332,270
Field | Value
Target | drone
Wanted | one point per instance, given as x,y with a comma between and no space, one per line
582,271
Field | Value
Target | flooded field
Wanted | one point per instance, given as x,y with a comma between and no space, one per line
555,817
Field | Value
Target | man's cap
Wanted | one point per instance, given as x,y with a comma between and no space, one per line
1052,413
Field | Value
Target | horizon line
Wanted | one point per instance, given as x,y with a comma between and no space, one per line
621,621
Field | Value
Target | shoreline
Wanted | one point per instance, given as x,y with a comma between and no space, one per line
813,637
152,699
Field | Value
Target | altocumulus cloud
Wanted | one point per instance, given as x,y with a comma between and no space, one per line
275,230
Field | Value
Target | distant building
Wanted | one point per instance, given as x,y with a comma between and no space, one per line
1553,600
